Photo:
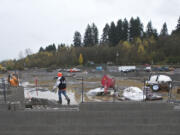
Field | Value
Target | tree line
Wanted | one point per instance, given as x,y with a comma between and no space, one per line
113,33
122,43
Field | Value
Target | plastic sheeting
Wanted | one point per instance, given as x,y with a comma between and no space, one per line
94,92
134,94
30,92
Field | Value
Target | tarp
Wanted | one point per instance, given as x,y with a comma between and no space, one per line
134,94
95,92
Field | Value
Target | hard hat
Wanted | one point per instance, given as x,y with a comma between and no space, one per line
59,74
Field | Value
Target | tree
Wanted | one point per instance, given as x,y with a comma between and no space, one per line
51,48
164,30
112,34
41,49
125,53
151,31
77,39
28,52
136,28
91,36
177,30
10,64
119,30
178,25
126,45
88,37
105,35
80,59
94,32
62,45
125,30
73,56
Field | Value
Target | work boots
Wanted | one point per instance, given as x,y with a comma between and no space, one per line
68,101
60,102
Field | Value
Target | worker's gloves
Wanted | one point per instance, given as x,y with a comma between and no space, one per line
53,90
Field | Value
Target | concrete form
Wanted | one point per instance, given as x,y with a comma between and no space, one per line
119,118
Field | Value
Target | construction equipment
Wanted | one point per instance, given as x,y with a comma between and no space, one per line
157,82
107,83
2,69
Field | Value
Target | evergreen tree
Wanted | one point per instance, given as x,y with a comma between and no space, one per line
177,30
91,35
178,25
112,34
131,28
88,37
164,30
105,35
151,31
125,30
140,30
136,28
41,49
119,30
51,48
77,39
94,32
62,45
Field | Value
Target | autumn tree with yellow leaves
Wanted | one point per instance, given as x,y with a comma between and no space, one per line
80,59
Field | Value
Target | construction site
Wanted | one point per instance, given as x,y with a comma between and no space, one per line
94,67
102,101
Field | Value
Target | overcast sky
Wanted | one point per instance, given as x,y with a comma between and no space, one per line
35,23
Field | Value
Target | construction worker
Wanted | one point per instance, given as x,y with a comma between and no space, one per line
61,85
13,80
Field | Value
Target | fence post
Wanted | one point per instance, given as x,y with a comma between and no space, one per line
144,90
36,83
170,93
82,91
114,95
4,89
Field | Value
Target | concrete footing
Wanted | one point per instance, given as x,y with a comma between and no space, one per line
94,119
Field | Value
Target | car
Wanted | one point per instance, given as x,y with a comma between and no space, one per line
147,69
73,70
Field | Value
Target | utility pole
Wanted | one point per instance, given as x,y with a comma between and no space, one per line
117,55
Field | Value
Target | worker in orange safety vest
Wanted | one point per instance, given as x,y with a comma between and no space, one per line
13,80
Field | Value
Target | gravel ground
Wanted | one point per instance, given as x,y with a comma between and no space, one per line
91,80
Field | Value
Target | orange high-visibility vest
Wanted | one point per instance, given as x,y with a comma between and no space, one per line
14,81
